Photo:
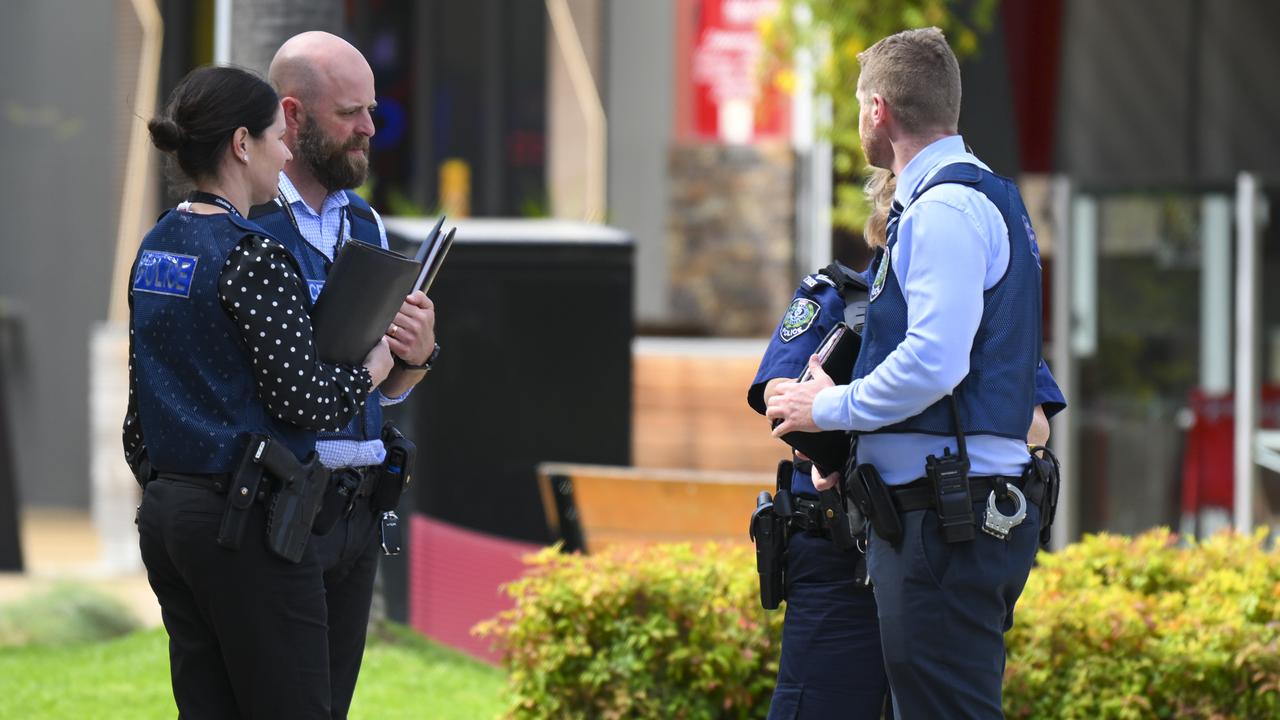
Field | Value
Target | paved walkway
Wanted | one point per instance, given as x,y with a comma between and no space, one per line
62,545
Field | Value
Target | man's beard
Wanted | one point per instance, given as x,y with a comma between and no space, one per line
874,149
329,160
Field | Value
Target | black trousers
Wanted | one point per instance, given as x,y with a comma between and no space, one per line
831,665
349,555
247,630
944,609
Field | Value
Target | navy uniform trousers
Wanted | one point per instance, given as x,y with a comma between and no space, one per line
831,665
945,606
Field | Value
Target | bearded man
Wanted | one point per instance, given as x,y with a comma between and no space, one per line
326,90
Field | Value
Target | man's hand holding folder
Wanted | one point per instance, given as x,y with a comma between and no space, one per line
372,292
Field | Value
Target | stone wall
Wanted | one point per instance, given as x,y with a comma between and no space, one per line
730,243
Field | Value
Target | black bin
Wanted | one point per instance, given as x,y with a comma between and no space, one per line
535,328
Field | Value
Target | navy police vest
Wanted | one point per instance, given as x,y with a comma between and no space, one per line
193,377
997,396
275,217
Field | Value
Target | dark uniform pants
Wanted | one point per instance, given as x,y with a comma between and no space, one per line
247,630
831,665
349,556
944,609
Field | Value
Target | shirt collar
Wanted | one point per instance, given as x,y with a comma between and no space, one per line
922,166
291,195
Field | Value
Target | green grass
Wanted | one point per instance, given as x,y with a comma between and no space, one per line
403,676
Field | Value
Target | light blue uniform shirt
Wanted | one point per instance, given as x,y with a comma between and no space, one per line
321,230
952,246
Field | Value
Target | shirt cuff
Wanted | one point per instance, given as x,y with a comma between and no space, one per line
384,401
829,407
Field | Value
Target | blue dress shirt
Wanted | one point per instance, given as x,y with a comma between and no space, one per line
952,246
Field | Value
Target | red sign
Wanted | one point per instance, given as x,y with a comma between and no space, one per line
724,96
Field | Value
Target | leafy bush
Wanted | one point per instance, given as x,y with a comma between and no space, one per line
657,632
1135,628
1111,627
65,614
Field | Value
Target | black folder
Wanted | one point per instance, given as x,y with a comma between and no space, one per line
365,288
829,450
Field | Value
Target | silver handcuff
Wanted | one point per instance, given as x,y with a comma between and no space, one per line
996,523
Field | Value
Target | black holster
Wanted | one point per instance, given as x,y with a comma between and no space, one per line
768,530
870,495
298,489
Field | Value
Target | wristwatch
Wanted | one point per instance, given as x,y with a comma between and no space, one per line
425,367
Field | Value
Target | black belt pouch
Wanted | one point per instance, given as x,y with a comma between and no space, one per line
868,490
241,494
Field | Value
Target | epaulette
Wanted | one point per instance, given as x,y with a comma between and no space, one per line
813,281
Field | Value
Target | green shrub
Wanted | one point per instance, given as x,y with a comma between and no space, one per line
1111,627
657,632
65,614
1114,627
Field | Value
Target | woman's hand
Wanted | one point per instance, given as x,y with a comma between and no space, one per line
378,362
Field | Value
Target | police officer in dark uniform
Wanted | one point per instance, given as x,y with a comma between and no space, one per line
222,360
942,393
831,664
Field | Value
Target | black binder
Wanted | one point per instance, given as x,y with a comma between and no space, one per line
829,450
364,291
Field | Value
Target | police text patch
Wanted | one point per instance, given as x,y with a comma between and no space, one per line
165,273
799,317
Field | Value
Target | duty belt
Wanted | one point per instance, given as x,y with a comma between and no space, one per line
917,495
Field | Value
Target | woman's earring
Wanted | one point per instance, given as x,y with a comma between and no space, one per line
245,157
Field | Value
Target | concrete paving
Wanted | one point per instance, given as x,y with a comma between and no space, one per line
63,545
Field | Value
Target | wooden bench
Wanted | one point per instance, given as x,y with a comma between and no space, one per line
591,506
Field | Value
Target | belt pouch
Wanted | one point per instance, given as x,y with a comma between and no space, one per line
948,476
870,492
1044,467
241,493
837,521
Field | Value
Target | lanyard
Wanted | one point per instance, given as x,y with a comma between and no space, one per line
342,221
199,196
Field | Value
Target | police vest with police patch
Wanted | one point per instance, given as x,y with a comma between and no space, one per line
276,218
192,375
997,396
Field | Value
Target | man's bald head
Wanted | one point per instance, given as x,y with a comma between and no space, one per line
326,90
309,63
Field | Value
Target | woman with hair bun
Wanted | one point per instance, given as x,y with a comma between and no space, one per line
221,349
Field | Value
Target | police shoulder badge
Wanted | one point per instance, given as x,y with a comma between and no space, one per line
799,317
882,274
